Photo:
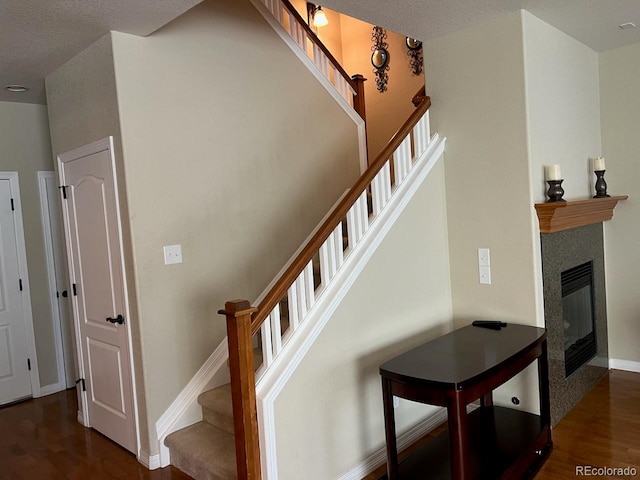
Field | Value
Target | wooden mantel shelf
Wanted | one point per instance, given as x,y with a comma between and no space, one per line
559,216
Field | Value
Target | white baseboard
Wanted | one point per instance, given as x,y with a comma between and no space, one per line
150,461
405,440
172,419
627,365
51,389
81,418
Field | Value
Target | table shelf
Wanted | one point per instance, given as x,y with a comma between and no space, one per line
511,445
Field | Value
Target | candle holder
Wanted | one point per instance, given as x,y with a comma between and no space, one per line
555,191
601,185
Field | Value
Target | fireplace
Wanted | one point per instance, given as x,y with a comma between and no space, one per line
575,311
578,316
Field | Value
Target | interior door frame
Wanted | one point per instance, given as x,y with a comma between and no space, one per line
43,176
14,184
80,152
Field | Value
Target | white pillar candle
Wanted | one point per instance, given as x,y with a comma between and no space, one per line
598,164
552,172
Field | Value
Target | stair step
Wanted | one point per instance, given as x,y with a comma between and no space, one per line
203,452
217,408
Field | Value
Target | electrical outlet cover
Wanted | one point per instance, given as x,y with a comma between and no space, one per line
172,254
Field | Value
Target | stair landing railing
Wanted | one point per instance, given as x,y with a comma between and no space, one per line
350,88
359,208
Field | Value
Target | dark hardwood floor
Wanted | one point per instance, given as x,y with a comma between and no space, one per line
603,430
42,440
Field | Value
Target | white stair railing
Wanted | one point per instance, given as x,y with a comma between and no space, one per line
347,87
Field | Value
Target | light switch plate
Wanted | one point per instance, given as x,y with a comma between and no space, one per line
172,254
485,275
484,258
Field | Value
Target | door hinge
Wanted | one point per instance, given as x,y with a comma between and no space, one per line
75,291
13,208
84,386
29,364
20,283
64,191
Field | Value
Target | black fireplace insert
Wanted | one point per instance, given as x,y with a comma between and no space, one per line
578,314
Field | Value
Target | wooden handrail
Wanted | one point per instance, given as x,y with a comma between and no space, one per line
314,38
419,96
243,321
297,266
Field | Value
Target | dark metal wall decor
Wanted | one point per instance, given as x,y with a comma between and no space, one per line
415,55
380,58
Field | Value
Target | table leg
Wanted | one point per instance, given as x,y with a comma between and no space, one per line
487,400
543,386
390,430
458,438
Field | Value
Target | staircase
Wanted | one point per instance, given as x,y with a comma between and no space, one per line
266,343
206,450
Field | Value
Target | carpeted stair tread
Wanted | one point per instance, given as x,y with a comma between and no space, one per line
203,452
217,408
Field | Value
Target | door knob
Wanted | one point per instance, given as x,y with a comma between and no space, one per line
65,294
119,320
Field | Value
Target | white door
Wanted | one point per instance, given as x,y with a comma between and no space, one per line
15,378
58,282
92,230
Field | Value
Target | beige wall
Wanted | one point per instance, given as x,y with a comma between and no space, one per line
215,163
476,83
620,107
333,403
386,112
563,107
83,108
563,119
24,136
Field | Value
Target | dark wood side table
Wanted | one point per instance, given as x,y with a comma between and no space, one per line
454,370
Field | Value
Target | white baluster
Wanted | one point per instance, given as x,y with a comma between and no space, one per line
352,225
337,238
343,86
321,61
402,160
381,188
267,352
276,9
357,219
363,214
297,32
276,329
301,292
328,260
422,134
294,319
309,286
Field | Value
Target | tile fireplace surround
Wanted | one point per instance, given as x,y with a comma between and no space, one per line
561,251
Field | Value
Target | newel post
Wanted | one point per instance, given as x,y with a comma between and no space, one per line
358,98
243,387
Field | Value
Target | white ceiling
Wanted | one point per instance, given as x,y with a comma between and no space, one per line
37,36
592,22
